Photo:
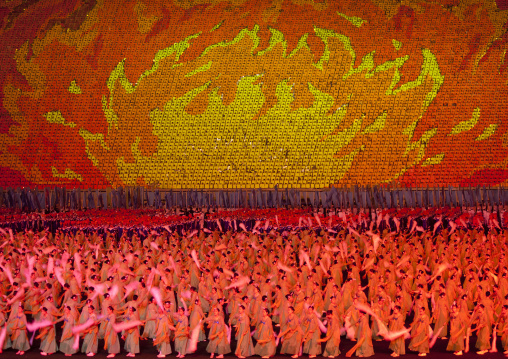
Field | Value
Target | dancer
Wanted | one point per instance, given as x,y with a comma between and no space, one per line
292,336
111,340
17,329
420,333
218,335
397,344
47,335
149,330
197,315
131,335
312,333
503,328
67,339
3,329
181,332
244,347
483,329
332,338
441,315
163,334
363,347
457,332
265,346
90,341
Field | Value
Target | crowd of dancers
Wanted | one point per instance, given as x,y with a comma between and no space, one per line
258,291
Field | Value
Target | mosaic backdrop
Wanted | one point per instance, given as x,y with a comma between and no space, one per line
242,94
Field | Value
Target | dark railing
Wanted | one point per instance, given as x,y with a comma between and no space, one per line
33,199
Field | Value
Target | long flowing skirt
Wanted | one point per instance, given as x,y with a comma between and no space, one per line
504,341
150,330
292,344
48,344
21,342
202,335
219,346
102,329
483,340
66,346
331,350
423,345
456,345
265,349
366,349
205,304
244,346
7,342
441,323
90,343
398,346
164,348
181,345
311,346
132,342
112,343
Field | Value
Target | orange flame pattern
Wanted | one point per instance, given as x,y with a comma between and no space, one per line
244,93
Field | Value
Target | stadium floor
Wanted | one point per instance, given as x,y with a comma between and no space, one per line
380,348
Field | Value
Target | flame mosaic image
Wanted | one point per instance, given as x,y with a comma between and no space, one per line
243,94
